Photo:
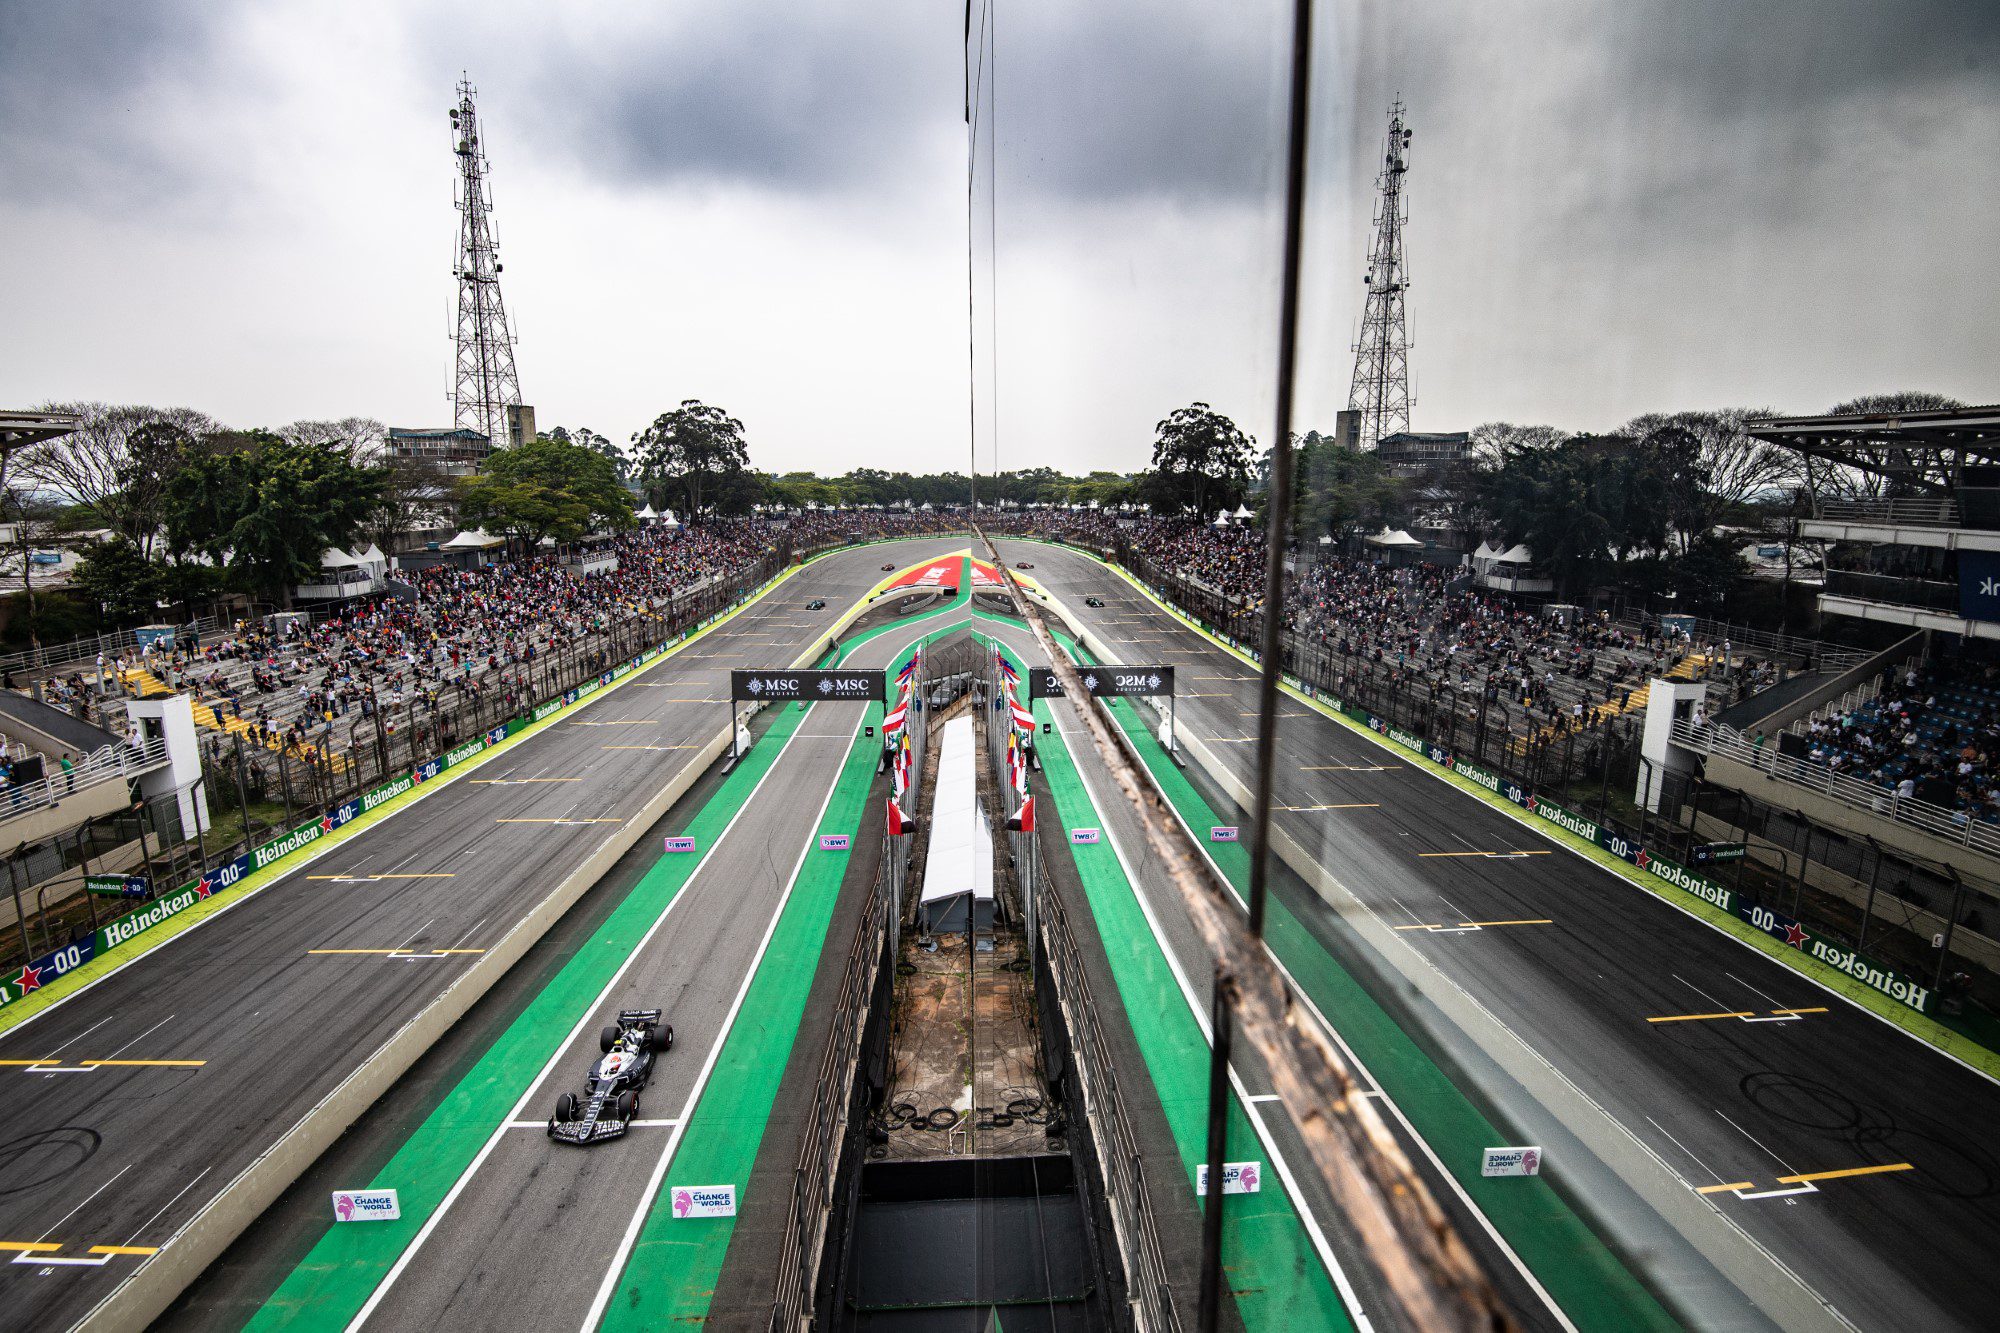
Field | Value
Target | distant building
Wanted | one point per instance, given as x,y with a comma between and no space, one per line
455,452
520,424
1412,453
1925,551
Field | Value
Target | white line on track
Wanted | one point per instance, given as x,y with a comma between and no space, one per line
134,1240
1348,1295
613,1271
493,1141
141,1037
1441,1171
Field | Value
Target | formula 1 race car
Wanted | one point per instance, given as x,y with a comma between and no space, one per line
611,1092
887,567
816,604
1093,601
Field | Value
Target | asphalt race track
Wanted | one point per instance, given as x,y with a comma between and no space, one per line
1847,1152
231,1033
533,1238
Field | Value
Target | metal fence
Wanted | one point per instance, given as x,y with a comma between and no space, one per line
1118,1153
835,1088
262,791
1906,512
119,760
1953,826
86,649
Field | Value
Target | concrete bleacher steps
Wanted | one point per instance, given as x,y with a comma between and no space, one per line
145,684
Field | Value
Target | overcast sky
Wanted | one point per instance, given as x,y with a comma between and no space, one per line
1616,208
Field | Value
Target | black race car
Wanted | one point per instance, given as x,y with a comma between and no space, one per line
1024,564
887,568
611,1092
816,604
1093,601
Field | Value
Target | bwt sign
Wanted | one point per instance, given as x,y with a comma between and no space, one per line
1105,682
812,686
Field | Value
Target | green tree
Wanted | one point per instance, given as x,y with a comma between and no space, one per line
1201,459
120,577
546,488
1336,490
684,450
268,508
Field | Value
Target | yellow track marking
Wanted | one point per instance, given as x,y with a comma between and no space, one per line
1817,1009
52,1062
1697,1018
395,951
29,1246
558,821
124,1249
509,782
1529,852
1810,1177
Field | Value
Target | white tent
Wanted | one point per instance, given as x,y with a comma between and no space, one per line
667,520
958,872
1396,538
1222,518
648,514
472,539
1243,511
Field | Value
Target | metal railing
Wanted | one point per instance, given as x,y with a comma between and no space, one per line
87,648
1953,826
1118,1152
1893,589
120,760
1769,643
834,1090
1928,511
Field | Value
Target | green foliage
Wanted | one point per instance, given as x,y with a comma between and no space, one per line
120,577
1336,490
267,508
685,452
1201,460
546,488
55,616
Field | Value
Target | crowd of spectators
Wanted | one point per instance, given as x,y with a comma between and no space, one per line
1418,625
1931,733
448,635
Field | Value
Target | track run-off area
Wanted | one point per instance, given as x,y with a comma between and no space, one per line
1727,1142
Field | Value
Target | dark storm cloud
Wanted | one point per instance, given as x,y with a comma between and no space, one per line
1115,100
78,89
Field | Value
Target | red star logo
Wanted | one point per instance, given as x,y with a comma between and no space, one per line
1643,859
326,823
204,887
30,979
1794,936
1533,801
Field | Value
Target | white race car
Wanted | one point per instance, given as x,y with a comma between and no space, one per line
611,1091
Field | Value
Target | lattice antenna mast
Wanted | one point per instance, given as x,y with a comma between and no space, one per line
1381,389
484,383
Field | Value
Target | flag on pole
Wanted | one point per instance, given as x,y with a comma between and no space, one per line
909,670
893,723
899,823
1007,668
1024,818
1022,717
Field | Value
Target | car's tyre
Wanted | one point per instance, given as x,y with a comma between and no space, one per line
566,1107
667,1037
628,1105
607,1038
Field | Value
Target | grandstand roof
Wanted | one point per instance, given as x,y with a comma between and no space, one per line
1923,448
18,429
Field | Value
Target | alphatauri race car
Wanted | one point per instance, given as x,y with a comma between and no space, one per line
611,1092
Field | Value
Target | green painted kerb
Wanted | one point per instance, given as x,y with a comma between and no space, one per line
1269,1262
1585,1278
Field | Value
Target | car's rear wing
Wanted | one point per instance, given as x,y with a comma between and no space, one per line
626,1016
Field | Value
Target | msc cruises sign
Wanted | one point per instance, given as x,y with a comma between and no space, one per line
1105,682
812,686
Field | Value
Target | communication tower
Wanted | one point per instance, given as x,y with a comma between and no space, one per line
484,384
1381,388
